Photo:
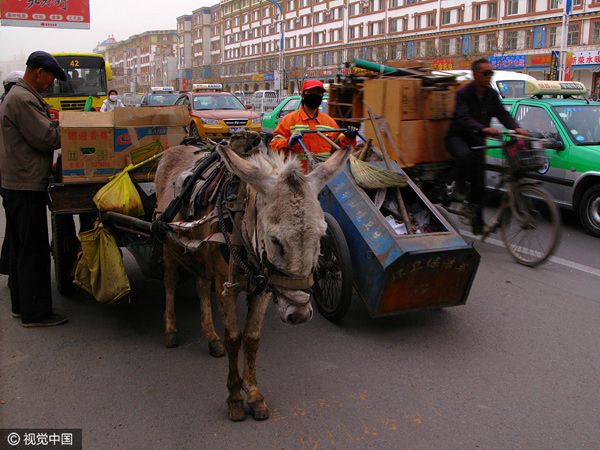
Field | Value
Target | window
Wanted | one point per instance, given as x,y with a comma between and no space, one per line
490,43
492,10
430,20
595,34
475,44
446,15
352,9
511,40
395,3
477,12
528,39
551,34
577,3
394,25
530,6
444,46
573,35
418,22
512,7
554,4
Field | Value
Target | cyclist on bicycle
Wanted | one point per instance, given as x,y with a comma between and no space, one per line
476,104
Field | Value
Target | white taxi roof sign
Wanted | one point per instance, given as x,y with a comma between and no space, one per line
158,89
207,87
542,87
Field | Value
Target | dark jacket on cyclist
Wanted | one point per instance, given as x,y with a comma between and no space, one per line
472,114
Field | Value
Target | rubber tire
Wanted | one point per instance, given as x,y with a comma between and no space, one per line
333,305
542,196
194,130
65,246
590,202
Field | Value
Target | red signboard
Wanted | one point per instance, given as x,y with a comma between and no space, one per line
46,13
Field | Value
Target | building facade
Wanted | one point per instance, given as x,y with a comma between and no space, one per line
143,60
263,44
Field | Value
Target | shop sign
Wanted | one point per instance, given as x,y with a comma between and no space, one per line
326,72
46,14
442,64
269,77
259,77
541,60
248,78
465,64
310,73
508,61
345,70
586,57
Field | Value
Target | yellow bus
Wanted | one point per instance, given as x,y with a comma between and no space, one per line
87,76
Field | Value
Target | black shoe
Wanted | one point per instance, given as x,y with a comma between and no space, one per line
52,321
16,315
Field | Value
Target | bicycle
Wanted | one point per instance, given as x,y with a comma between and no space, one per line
528,218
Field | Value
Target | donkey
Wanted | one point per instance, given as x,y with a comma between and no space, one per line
282,225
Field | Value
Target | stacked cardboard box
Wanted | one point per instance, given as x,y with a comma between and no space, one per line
97,145
417,118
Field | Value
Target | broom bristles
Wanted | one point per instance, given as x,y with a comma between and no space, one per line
369,176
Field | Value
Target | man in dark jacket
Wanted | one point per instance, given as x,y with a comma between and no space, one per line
29,138
476,104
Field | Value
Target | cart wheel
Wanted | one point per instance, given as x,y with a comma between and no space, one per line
332,290
64,251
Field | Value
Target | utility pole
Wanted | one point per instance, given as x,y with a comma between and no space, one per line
281,68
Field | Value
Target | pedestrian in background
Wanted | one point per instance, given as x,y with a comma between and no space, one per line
29,138
8,82
111,102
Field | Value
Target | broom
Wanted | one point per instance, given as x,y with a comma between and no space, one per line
368,176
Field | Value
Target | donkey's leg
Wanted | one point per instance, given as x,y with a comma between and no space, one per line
171,278
254,322
215,345
233,341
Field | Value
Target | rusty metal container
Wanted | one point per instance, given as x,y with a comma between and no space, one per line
395,273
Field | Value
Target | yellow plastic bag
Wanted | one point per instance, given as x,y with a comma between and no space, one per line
120,195
100,269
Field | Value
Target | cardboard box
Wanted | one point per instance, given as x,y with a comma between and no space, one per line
437,105
396,98
87,145
96,145
418,141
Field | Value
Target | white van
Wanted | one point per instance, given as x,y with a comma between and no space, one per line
508,84
264,101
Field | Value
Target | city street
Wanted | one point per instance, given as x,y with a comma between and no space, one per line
515,368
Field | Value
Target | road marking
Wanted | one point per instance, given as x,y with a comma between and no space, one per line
554,259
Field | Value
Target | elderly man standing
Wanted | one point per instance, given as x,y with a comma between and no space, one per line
29,138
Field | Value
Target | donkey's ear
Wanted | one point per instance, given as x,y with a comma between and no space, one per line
248,172
319,177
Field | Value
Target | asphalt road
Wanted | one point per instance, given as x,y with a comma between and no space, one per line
515,368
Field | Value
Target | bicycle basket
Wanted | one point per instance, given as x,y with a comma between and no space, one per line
524,156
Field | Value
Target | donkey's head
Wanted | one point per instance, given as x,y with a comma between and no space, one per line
287,224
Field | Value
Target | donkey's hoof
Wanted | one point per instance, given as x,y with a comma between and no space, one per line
259,410
171,340
235,409
216,348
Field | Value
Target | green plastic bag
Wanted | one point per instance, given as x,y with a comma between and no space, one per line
100,269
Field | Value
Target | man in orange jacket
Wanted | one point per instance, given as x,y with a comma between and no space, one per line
308,117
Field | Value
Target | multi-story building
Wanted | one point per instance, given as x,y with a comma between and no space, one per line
143,60
264,44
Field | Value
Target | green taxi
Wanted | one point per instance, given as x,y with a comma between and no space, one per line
572,171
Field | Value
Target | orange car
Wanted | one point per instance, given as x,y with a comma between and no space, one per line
217,114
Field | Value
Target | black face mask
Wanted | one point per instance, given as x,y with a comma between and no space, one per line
313,101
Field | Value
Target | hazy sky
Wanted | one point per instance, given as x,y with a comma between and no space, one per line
121,18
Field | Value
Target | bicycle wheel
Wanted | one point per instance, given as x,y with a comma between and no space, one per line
332,290
531,226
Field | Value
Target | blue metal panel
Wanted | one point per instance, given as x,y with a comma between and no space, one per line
384,263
